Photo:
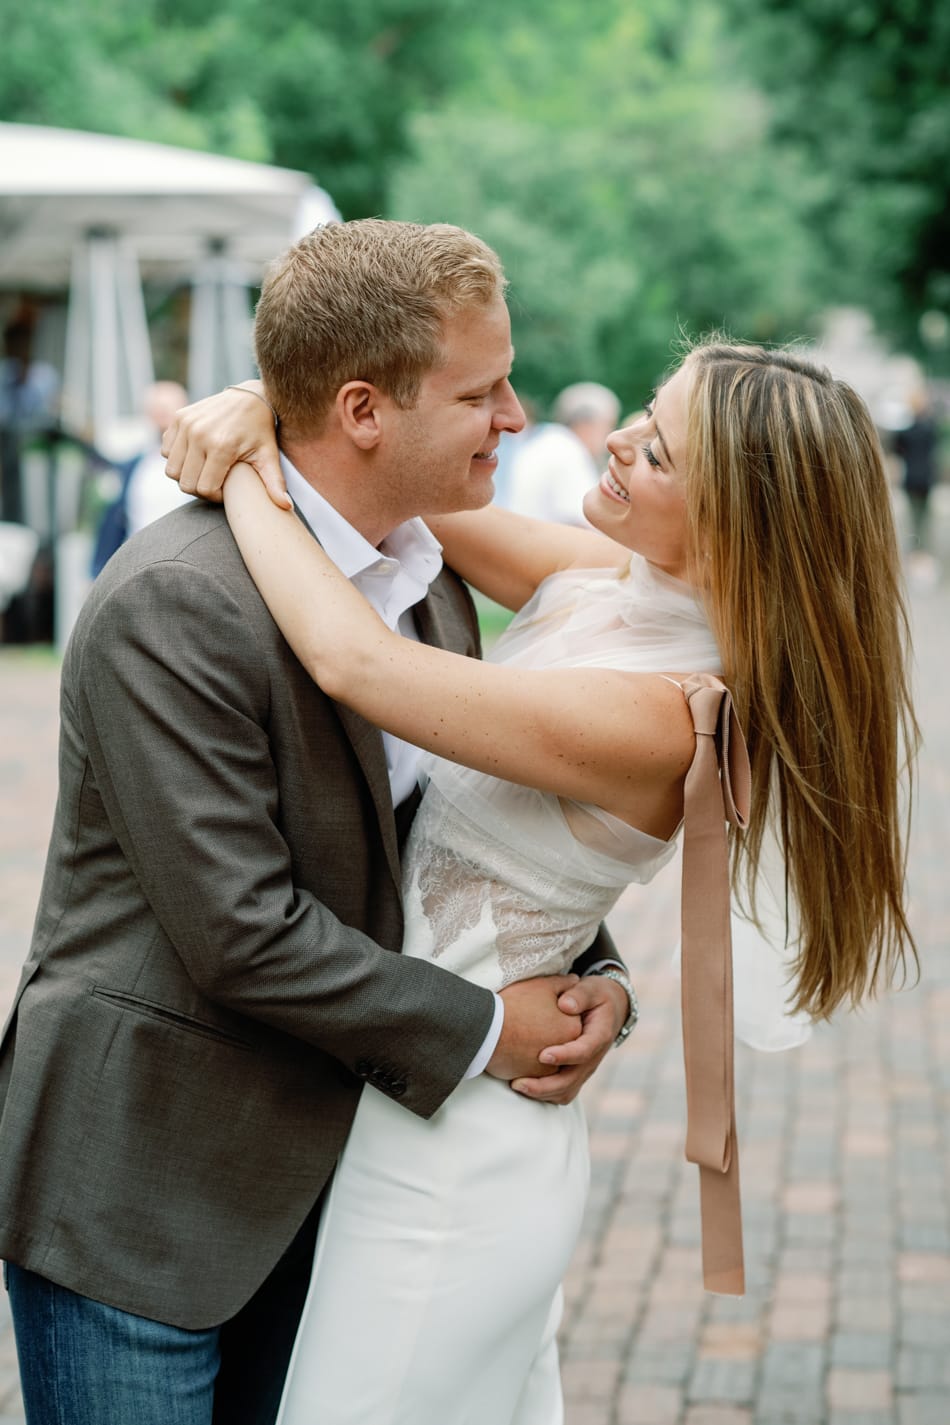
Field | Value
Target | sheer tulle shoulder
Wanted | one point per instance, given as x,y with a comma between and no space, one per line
636,619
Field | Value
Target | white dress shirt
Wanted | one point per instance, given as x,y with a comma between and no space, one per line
392,578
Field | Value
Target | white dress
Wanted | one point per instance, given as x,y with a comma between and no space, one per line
435,1290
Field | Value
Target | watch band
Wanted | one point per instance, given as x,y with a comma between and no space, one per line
611,972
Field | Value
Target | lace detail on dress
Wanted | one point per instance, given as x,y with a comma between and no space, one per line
489,912
503,907
457,898
451,900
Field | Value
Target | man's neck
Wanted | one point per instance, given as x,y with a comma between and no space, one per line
343,484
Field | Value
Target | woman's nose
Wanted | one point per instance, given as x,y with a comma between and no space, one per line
621,443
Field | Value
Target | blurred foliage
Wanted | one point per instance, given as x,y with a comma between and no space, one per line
644,170
861,90
308,84
630,190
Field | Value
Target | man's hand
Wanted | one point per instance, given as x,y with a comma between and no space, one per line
603,1007
533,1020
206,439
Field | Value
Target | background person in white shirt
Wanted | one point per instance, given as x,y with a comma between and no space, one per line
556,465
149,495
143,495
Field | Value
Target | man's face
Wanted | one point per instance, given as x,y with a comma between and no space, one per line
441,455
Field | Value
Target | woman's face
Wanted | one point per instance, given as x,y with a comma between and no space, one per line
641,498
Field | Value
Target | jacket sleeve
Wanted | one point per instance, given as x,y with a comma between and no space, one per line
603,948
173,694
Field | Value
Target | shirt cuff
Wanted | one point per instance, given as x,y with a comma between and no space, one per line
489,1043
599,965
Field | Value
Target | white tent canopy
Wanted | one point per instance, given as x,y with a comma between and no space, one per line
90,212
57,184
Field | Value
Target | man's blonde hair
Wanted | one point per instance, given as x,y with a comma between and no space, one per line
365,300
796,550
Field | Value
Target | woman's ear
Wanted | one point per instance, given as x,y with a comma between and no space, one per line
358,411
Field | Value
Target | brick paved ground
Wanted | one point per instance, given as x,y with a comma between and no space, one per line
844,1156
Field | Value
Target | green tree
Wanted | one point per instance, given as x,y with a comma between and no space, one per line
609,151
627,187
859,88
309,84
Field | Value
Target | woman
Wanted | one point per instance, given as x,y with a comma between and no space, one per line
752,498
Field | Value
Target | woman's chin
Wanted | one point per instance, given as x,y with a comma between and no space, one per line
593,506
601,512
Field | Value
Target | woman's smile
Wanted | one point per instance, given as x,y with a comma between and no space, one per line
612,486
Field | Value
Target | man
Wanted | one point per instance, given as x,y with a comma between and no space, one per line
212,976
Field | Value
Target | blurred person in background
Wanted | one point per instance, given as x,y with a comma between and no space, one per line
560,460
29,413
510,446
29,398
144,492
148,496
918,444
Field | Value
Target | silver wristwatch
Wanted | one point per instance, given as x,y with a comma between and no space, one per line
613,972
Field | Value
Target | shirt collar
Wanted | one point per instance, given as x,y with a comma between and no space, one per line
411,545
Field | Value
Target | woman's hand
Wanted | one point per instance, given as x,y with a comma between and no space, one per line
603,1007
206,439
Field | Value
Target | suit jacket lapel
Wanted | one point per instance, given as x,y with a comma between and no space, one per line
439,624
366,741
437,620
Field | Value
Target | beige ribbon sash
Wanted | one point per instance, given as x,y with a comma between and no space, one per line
717,789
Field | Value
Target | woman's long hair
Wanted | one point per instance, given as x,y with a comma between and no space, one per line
796,550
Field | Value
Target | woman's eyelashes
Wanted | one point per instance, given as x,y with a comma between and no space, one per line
647,449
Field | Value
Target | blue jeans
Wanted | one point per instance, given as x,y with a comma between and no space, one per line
83,1363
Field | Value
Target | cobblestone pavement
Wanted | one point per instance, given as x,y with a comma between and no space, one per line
844,1154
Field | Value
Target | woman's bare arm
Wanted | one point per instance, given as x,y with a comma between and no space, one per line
620,740
506,556
207,438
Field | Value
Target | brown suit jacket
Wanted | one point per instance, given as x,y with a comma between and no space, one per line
212,976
